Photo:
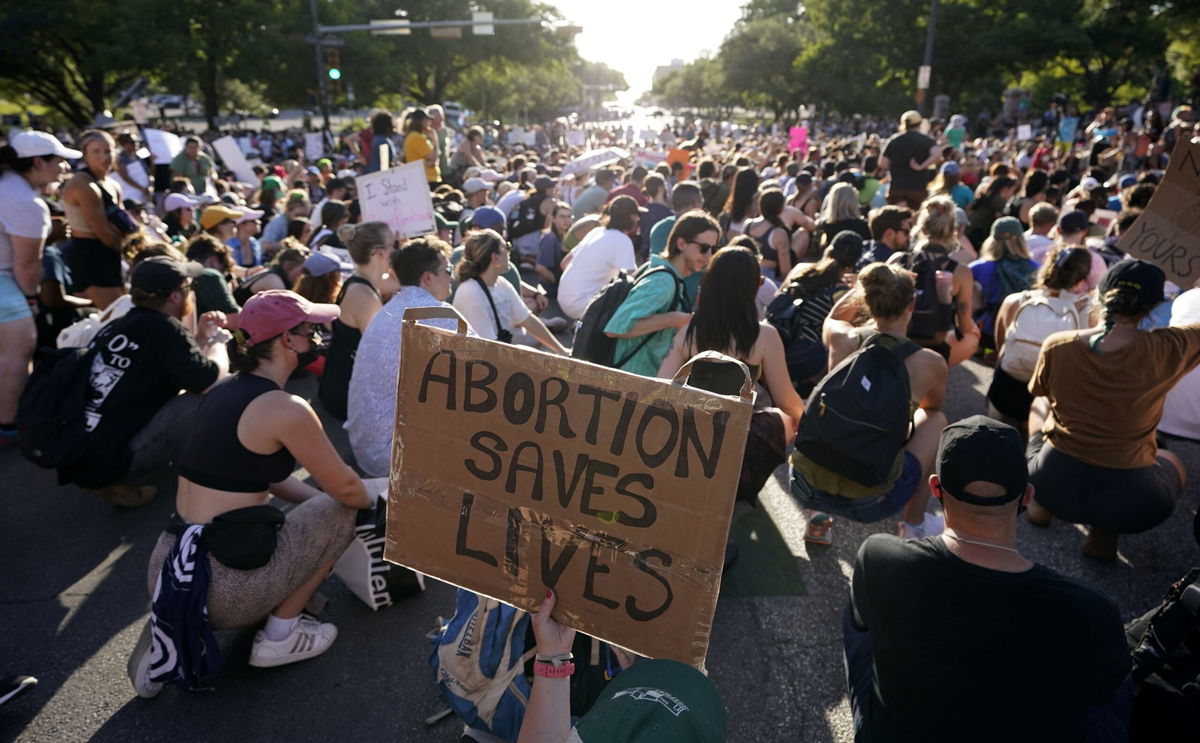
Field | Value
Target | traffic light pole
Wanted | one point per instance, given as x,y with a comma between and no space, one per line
323,97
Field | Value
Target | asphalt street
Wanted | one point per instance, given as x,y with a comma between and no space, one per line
73,596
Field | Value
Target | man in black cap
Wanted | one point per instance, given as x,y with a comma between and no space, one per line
960,637
134,416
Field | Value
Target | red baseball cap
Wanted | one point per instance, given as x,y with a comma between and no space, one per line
271,313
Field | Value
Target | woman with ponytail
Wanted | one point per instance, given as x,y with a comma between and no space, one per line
1098,399
362,295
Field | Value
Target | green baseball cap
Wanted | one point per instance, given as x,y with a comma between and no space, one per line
656,701
272,183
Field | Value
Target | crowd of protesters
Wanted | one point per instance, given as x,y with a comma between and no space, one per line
912,245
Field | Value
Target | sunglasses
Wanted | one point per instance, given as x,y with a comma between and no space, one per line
705,248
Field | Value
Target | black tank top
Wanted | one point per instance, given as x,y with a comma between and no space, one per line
339,359
213,456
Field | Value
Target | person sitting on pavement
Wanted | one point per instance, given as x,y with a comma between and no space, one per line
492,307
599,257
890,228
950,331
550,249
657,306
649,701
361,296
1060,296
888,294
1098,398
422,267
942,632
134,417
244,442
282,273
1004,268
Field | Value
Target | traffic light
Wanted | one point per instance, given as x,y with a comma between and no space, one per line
333,64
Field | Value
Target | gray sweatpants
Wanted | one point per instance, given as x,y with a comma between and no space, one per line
315,533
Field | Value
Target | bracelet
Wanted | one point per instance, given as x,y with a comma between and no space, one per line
550,670
557,660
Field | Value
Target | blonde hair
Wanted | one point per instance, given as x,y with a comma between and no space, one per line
363,239
999,247
841,204
936,222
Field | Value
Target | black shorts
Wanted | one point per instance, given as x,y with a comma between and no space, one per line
92,263
1121,500
1009,395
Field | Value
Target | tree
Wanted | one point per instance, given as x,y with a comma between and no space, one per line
71,57
757,59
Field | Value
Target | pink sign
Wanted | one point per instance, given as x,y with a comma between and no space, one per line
798,139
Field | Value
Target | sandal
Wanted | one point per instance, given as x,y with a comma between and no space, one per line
817,529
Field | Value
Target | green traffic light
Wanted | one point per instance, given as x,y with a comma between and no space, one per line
335,73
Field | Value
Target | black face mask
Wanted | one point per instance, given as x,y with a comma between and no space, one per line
316,347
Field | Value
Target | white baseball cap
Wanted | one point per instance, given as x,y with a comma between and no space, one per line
41,144
248,214
474,185
178,201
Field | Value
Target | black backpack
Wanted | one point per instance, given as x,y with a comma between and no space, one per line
591,342
857,420
50,422
523,219
929,316
804,352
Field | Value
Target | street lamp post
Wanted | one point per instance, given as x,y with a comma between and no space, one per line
927,67
323,98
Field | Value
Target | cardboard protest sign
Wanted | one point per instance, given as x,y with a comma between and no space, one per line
514,471
314,145
1168,232
399,197
594,159
231,155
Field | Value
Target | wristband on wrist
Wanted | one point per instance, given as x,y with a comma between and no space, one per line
551,670
557,659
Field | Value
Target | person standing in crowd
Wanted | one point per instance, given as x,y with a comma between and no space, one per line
440,135
599,257
906,156
658,305
244,441
422,266
994,608
194,165
94,252
134,417
494,308
31,162
382,148
887,293
362,295
1098,398
418,148
1060,301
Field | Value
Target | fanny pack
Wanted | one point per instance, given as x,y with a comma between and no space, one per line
242,539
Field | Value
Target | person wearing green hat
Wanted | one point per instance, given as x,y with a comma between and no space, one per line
650,701
1004,268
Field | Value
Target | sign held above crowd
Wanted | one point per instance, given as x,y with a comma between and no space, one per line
514,471
398,197
1167,233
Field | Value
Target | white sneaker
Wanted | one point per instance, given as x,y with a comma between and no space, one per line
930,527
308,639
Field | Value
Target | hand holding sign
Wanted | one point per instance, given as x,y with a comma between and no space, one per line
514,471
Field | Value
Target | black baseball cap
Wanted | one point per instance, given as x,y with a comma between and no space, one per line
1143,279
981,449
162,274
846,247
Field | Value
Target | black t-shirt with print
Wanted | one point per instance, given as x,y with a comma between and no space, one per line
962,652
899,150
142,361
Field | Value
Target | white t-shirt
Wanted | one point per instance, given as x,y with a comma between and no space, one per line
1038,245
472,303
595,261
1181,411
22,214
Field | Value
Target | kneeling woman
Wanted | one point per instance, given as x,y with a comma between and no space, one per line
248,435
1099,396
